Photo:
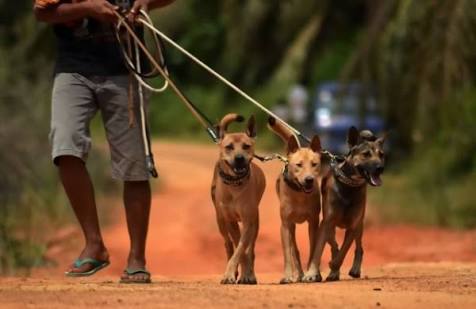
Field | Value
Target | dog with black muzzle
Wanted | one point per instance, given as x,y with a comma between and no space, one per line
344,192
237,188
298,189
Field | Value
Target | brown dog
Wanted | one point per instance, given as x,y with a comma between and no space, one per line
344,192
237,188
298,188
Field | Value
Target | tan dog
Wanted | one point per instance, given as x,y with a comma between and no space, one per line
298,188
344,192
237,188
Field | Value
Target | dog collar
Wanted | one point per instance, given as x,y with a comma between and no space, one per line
233,180
343,178
293,185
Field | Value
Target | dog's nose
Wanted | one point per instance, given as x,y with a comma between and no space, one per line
239,158
309,180
379,169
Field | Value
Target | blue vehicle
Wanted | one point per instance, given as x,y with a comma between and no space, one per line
338,106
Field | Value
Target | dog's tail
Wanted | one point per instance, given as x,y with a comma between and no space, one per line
226,120
280,130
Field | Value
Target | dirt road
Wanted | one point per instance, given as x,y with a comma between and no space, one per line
404,266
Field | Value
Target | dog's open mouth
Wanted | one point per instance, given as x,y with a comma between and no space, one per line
240,170
373,178
307,188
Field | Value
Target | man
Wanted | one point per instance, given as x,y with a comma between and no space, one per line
90,75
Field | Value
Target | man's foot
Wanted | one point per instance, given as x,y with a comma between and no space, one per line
92,259
135,271
135,276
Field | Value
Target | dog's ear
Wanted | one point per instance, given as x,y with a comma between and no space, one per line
367,135
352,136
382,139
316,144
293,144
251,127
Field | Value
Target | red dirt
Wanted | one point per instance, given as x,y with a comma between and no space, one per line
429,266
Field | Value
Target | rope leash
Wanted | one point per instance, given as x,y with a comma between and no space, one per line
146,21
204,121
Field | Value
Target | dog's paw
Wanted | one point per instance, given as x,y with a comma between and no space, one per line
286,280
247,280
354,273
334,275
228,280
311,278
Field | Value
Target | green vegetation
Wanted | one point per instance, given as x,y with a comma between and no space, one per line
421,56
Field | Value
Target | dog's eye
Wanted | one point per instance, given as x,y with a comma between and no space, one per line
229,147
367,154
314,164
381,154
246,146
299,165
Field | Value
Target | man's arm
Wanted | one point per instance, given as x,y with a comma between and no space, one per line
67,12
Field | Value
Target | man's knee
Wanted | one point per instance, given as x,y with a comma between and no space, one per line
65,161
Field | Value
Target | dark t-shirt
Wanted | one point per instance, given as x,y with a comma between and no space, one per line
89,47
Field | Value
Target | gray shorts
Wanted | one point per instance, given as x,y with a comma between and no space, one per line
75,101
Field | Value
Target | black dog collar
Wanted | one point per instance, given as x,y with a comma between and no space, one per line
233,180
343,178
293,185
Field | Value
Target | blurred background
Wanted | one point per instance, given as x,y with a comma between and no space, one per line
405,67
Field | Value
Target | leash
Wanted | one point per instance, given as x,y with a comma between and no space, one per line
162,70
201,117
136,71
145,20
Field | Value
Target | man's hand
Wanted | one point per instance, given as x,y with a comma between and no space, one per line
102,10
146,5
135,11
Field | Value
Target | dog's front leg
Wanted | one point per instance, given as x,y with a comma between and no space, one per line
223,228
313,227
295,254
336,263
232,266
313,273
359,252
287,247
248,266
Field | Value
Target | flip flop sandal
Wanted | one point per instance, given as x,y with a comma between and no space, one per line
132,272
97,266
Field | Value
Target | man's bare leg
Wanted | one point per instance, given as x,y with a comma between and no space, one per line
79,189
137,199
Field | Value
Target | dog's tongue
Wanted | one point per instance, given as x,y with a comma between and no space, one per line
375,180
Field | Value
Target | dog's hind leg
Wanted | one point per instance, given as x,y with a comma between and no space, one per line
336,263
333,243
358,254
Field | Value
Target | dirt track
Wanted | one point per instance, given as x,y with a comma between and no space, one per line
404,266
